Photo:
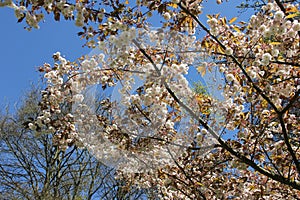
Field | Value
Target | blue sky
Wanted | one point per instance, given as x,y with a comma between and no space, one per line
21,51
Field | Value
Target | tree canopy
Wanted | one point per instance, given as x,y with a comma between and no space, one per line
187,141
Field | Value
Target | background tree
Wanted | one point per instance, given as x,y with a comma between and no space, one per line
33,166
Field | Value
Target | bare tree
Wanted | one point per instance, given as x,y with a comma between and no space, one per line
33,167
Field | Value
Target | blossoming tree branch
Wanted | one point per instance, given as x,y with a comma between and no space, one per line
242,143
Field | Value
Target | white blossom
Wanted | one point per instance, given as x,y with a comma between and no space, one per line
78,98
167,16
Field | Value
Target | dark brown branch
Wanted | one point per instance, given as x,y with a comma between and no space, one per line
285,63
287,142
292,101
280,6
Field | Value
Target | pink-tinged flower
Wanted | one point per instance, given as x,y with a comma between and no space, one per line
230,77
275,52
78,98
229,51
270,6
266,58
32,126
279,15
262,28
296,26
292,33
212,22
167,16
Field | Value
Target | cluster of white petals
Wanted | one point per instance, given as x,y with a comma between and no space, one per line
140,113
